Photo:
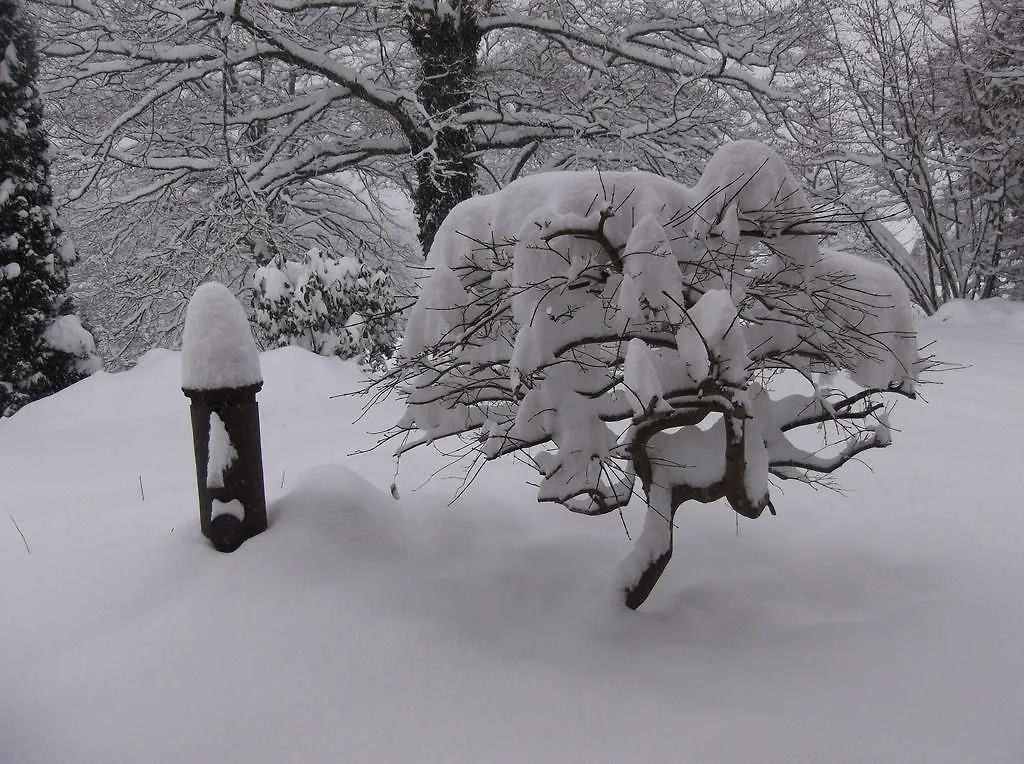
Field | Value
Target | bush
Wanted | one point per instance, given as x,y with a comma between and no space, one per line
330,305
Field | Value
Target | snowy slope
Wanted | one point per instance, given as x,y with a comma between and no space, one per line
885,625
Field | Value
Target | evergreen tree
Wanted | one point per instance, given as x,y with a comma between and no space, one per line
43,348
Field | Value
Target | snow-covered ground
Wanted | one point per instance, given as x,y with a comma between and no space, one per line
885,625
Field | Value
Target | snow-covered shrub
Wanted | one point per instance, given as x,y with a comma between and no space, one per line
330,305
569,302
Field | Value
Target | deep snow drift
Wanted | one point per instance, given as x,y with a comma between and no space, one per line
885,625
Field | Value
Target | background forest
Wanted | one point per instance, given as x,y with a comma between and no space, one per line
226,140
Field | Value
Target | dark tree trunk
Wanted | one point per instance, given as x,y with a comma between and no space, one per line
446,42
637,594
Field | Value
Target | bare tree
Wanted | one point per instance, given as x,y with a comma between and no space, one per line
279,119
612,326
885,88
985,92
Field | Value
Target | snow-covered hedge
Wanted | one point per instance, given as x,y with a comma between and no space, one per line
568,302
330,305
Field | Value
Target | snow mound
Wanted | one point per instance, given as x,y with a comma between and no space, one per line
341,508
154,355
320,376
982,312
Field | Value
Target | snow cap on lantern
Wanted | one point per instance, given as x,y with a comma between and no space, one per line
218,348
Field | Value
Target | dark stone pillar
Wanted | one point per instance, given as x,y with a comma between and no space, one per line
243,477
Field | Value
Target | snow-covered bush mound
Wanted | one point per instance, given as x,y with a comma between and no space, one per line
344,509
331,305
981,312
569,302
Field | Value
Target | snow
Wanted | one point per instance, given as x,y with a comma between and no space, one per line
67,335
641,379
272,282
68,253
233,508
222,452
433,317
355,324
9,61
654,541
748,176
692,455
884,323
883,625
651,270
981,313
7,185
218,348
715,322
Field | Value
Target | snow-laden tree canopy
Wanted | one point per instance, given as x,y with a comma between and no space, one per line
610,326
200,139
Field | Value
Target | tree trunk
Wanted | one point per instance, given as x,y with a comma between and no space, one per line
651,552
637,594
446,41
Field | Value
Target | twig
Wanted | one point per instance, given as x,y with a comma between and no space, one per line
142,490
622,517
24,540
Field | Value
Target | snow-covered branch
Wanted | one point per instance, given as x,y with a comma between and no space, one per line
570,301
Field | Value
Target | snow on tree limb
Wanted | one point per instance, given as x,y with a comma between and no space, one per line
571,301
568,302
